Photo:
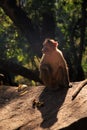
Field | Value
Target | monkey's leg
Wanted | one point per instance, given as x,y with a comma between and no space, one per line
66,78
45,74
58,77
61,77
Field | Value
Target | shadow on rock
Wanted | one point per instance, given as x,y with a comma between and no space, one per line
52,102
7,94
78,125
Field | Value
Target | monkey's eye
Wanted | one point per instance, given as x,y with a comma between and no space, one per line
45,49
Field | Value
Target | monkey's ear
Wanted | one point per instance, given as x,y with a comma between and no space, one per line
55,43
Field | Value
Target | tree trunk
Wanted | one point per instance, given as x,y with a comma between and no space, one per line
48,25
83,30
80,73
10,67
23,23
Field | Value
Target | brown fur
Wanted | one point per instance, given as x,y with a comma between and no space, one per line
53,67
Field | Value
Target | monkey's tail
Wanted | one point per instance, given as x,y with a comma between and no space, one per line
82,84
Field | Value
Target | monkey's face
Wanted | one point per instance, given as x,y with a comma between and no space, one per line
49,46
46,48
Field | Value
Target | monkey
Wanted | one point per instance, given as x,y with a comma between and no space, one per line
82,84
53,68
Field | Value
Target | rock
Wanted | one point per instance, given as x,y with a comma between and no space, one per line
59,111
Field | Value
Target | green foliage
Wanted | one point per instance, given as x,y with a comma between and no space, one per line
12,44
84,62
68,15
32,64
35,10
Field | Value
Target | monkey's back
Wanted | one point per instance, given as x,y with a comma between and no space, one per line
59,73
55,59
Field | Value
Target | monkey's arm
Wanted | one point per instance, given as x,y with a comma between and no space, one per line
82,84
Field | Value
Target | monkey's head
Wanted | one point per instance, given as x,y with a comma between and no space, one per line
49,45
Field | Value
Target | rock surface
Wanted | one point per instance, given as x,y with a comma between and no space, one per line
59,111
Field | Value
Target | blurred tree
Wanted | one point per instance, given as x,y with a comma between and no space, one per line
34,30
41,19
72,21
31,30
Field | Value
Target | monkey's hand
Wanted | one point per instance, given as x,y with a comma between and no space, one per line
70,85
